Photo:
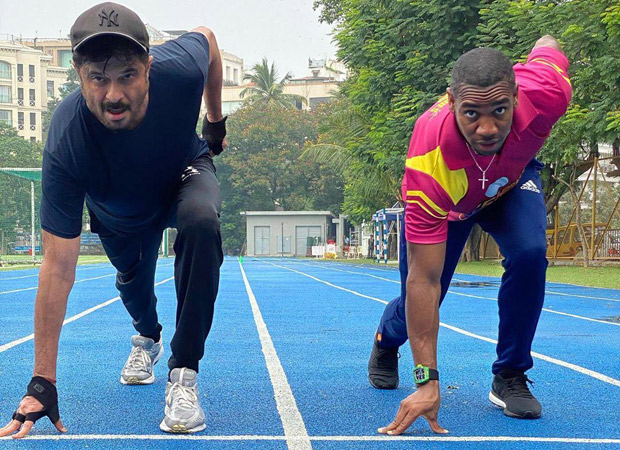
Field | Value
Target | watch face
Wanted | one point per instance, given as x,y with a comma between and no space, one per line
420,375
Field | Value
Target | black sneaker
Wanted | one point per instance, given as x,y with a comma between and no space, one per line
511,393
383,367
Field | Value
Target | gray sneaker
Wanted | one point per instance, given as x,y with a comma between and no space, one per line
139,366
182,413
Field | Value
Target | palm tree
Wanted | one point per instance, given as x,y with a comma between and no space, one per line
343,148
266,89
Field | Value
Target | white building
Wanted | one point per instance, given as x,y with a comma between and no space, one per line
319,86
287,233
60,52
27,81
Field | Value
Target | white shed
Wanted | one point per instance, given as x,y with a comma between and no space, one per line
287,233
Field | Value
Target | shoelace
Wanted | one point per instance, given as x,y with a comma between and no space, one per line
138,359
517,386
186,397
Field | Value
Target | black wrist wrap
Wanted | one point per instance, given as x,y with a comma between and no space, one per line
46,393
214,133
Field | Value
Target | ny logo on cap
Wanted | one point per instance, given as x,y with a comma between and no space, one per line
110,18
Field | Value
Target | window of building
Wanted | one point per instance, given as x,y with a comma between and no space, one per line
20,120
20,71
236,75
318,100
33,120
227,73
5,69
64,58
5,94
6,117
50,89
31,97
20,96
33,139
31,72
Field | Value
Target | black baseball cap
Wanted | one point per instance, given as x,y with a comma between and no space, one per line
109,19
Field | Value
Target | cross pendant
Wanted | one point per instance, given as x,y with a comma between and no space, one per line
484,179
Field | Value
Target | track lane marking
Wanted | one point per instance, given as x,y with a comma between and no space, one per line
597,375
75,282
552,311
492,277
292,421
378,438
73,318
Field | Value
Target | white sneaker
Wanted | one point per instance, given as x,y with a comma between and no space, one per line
139,366
182,413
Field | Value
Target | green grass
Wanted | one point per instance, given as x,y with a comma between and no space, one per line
603,277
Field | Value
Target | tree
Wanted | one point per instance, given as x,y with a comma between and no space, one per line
262,168
589,31
15,208
72,83
369,186
266,89
400,53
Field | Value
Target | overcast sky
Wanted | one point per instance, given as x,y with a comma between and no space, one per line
285,31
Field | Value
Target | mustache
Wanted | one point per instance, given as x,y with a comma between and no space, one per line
116,106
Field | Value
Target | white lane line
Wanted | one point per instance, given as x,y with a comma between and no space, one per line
292,421
78,281
17,342
564,294
487,276
474,296
79,269
583,296
376,438
36,287
559,362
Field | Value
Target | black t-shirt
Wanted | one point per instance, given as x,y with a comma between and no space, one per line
128,178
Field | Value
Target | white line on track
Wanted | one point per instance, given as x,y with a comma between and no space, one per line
17,342
606,322
78,281
36,287
564,294
583,296
559,362
79,269
377,438
292,421
331,266
544,309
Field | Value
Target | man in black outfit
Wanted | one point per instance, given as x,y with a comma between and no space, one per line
126,144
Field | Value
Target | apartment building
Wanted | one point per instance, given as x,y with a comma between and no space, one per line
27,81
319,86
60,52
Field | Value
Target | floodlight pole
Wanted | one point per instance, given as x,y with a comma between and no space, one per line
32,236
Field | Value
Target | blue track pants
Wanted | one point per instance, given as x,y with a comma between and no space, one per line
517,222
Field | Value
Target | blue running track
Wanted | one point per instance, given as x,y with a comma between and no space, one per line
285,364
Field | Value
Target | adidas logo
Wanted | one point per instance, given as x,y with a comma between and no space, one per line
530,186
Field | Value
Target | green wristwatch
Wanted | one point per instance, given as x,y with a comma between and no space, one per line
423,374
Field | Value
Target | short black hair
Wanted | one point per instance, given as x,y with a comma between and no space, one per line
482,67
103,48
